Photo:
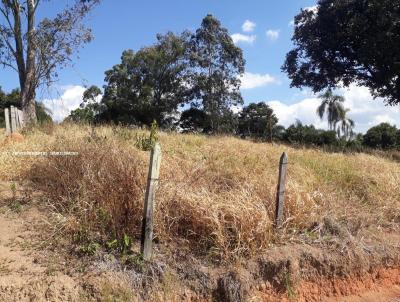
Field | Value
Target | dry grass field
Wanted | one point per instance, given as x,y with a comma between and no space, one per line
216,195
214,219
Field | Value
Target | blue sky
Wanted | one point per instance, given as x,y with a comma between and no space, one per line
265,39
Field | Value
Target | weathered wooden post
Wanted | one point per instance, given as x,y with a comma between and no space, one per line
13,120
280,196
17,118
21,118
7,120
152,182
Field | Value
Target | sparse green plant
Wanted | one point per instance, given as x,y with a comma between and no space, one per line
16,206
126,244
288,282
89,249
311,234
113,244
135,260
13,188
123,133
147,143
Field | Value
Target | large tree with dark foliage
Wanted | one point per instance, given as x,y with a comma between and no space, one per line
216,64
37,49
309,135
257,120
383,136
344,42
147,85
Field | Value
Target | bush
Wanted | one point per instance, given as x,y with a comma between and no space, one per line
308,135
384,136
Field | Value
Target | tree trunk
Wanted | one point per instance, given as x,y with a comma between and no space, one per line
28,106
28,91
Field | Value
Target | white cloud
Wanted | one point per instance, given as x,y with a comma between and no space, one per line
255,80
272,34
305,111
69,99
313,9
241,38
248,26
291,23
236,109
364,110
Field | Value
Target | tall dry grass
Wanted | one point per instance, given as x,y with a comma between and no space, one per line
216,194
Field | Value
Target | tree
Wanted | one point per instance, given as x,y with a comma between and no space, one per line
217,64
398,139
344,42
148,85
257,120
383,136
331,105
36,50
89,109
194,120
346,125
308,135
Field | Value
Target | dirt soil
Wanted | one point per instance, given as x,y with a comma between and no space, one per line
380,294
22,278
29,271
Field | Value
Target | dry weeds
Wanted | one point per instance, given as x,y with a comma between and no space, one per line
216,194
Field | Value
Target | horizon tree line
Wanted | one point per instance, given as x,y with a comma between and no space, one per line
200,71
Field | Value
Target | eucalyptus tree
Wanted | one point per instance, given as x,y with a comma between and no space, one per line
332,107
90,108
217,63
148,85
37,49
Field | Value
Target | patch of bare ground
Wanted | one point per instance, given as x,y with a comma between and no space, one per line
30,269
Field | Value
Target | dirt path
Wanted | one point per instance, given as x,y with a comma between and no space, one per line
22,278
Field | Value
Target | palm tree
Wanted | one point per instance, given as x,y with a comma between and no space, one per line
332,105
346,125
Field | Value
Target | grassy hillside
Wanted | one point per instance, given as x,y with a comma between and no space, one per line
216,196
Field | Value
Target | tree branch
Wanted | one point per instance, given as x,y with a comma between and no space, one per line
4,63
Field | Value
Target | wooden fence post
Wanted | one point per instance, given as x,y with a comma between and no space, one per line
13,120
7,121
17,118
21,118
152,182
280,196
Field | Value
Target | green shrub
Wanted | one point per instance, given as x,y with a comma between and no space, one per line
147,143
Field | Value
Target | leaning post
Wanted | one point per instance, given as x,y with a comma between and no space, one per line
7,120
280,196
152,183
